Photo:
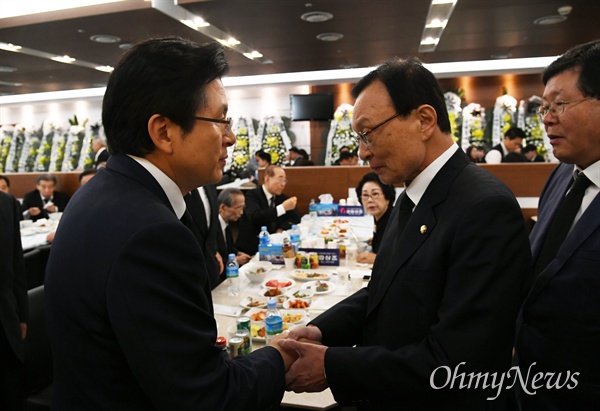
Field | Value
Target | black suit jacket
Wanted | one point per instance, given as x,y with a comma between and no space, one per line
207,236
33,199
257,213
225,246
132,327
13,283
445,291
559,324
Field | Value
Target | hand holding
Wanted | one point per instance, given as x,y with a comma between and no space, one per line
307,374
289,356
306,333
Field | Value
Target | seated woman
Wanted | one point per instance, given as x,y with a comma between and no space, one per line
378,200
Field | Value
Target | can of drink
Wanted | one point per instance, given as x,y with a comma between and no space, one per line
236,346
314,260
298,263
247,341
305,261
243,323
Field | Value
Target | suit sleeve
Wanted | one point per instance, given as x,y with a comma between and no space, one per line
163,320
20,284
259,214
484,265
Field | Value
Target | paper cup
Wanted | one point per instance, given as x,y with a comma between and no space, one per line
356,281
290,263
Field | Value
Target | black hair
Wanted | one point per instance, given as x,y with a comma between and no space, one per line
264,155
409,85
584,57
515,132
165,76
388,190
2,177
45,177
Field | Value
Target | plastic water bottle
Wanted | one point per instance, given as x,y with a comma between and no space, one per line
263,237
233,275
312,212
273,320
295,237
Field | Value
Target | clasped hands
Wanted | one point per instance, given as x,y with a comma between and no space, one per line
304,358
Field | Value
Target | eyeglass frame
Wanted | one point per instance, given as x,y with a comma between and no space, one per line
227,121
362,136
542,110
374,196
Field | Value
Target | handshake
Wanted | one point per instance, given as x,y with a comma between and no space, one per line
304,358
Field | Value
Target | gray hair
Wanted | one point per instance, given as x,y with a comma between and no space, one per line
227,196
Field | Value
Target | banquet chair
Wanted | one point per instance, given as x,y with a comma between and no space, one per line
38,356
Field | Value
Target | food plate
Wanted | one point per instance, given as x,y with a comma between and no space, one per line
297,303
309,275
320,287
299,293
258,332
282,283
254,302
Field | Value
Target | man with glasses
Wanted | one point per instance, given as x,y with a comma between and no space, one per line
267,205
132,326
449,276
559,325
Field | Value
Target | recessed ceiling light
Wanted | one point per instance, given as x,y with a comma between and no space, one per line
330,36
125,46
316,16
543,21
105,38
501,55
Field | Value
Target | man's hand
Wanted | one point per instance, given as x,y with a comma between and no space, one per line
23,330
307,374
220,261
242,258
50,207
289,356
33,211
290,203
302,333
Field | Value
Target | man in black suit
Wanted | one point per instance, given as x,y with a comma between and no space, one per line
449,275
13,306
44,200
558,330
202,205
511,144
231,202
530,153
132,327
267,206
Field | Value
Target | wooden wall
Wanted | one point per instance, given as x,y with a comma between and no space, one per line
22,183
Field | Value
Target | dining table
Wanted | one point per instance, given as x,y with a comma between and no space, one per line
229,307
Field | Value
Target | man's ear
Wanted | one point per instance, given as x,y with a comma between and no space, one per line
160,129
428,118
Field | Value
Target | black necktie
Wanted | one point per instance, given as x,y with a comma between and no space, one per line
406,206
562,222
228,239
272,202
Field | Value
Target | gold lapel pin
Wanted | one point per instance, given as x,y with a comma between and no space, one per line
423,229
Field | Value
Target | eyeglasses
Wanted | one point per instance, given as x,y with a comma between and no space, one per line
557,107
363,136
374,196
227,121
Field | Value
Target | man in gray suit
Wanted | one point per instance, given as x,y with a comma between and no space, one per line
13,305
559,324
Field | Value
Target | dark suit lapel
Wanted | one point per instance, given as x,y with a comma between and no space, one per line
587,224
398,248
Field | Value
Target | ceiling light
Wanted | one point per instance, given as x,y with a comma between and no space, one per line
437,18
7,69
544,21
171,9
63,59
106,69
14,8
316,16
330,36
254,55
10,84
105,38
9,47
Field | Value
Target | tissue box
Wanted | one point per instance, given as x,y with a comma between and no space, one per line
272,253
326,210
350,211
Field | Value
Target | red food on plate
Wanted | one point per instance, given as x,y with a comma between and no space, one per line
278,284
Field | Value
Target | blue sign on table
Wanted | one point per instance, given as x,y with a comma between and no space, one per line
327,256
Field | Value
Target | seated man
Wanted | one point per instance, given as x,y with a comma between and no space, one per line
294,154
530,152
231,204
348,158
267,206
511,143
44,200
